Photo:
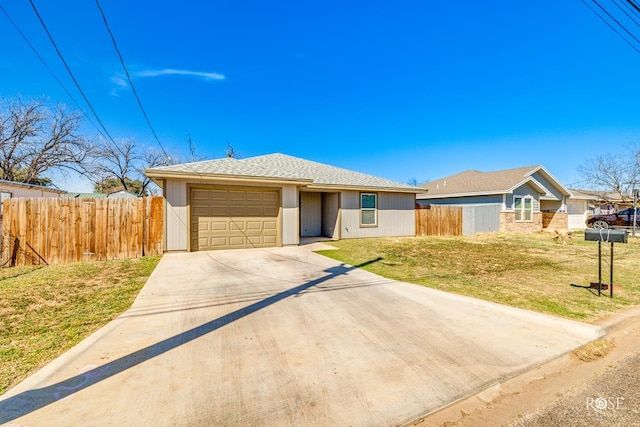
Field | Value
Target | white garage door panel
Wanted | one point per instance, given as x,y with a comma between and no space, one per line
228,219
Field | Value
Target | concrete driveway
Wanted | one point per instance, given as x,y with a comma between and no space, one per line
285,337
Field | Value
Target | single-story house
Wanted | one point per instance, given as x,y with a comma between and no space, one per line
11,189
276,199
525,199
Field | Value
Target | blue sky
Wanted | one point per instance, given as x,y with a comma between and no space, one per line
403,89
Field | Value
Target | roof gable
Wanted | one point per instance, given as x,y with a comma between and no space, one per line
473,182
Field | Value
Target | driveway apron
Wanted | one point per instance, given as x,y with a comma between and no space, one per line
285,336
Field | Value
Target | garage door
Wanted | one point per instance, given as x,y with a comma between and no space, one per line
233,218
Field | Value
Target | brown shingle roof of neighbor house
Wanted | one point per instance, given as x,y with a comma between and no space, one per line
612,196
473,182
280,167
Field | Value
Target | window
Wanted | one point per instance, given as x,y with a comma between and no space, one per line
368,209
523,207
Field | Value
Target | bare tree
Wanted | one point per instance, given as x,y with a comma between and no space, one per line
413,181
231,152
121,165
193,157
35,139
619,173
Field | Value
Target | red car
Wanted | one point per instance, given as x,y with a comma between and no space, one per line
623,218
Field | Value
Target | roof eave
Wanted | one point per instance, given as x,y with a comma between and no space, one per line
409,190
468,194
31,186
163,174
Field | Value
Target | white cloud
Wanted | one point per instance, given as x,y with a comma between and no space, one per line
174,72
120,83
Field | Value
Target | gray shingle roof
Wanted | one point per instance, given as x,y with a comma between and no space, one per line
281,166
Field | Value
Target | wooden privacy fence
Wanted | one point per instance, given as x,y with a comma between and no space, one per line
61,230
436,220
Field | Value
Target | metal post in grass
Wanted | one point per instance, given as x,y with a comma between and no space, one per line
611,273
635,210
611,236
599,267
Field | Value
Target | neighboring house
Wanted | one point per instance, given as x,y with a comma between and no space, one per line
120,194
579,207
605,202
85,195
11,189
526,199
123,194
274,200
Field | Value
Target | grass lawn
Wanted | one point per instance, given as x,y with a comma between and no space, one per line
46,310
528,271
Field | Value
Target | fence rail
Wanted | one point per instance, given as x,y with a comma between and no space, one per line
62,230
434,220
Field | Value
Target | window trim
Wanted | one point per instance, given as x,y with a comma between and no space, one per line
522,208
373,209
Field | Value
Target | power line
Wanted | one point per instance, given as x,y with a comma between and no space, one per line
49,69
634,5
69,71
626,13
126,71
611,26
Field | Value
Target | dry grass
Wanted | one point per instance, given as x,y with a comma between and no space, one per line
528,271
594,350
46,310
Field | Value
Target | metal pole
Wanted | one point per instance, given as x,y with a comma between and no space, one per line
599,267
611,273
635,212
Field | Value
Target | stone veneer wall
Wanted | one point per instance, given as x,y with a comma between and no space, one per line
555,221
508,223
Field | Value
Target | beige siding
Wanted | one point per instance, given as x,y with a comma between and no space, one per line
396,216
290,233
17,191
330,215
310,214
175,193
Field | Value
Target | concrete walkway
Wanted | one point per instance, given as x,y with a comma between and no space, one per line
285,337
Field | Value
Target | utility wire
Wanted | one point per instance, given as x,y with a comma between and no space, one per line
609,24
126,71
634,5
70,72
50,70
616,21
626,13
